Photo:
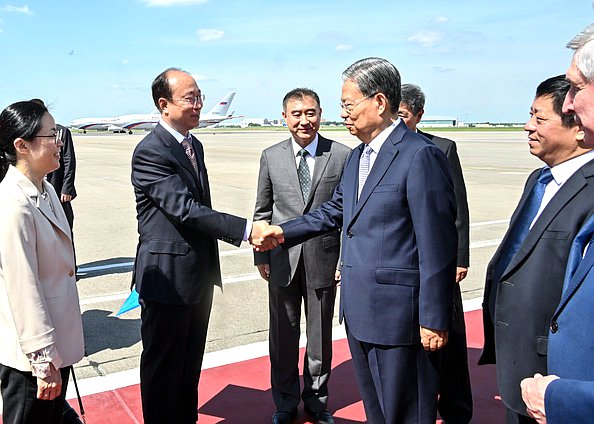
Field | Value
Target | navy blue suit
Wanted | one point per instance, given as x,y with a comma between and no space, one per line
571,399
399,258
176,267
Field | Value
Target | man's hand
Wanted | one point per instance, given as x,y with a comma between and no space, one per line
258,227
433,340
337,277
461,273
50,387
264,270
65,198
533,393
269,239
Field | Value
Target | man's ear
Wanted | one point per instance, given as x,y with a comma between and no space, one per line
163,105
579,136
382,103
420,115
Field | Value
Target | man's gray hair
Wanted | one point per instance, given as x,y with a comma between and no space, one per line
583,44
413,97
376,75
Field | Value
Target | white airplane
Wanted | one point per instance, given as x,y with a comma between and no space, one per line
148,121
99,124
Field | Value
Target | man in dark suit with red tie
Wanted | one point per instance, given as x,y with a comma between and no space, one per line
177,261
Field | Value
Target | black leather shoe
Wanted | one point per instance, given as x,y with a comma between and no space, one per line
321,417
283,417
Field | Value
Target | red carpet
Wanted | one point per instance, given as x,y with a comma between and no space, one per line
240,392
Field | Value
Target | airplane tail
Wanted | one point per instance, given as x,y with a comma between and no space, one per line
222,107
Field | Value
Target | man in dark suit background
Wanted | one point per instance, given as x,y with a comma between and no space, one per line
567,394
63,178
455,393
396,206
177,262
297,175
525,276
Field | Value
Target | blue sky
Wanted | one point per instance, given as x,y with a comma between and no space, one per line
476,60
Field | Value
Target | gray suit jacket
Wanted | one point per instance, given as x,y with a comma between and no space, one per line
279,199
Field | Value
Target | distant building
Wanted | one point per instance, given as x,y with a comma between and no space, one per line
438,121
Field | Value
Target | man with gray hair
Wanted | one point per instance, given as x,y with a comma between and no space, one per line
455,393
396,206
567,394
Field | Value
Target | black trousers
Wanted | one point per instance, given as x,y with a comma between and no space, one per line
173,341
19,398
455,393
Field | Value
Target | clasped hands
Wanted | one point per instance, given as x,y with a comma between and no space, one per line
265,237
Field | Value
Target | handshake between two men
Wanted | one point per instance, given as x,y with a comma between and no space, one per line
265,237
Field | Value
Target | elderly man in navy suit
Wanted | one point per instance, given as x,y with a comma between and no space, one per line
396,206
177,259
567,394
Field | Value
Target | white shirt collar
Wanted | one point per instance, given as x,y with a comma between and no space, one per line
311,147
377,143
178,136
565,170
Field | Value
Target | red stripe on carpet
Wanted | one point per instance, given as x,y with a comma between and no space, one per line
239,393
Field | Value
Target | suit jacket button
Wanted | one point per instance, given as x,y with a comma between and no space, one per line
350,235
71,273
554,327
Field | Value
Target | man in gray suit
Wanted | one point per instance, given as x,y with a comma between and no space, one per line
296,175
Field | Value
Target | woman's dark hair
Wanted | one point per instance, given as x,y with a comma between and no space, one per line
20,119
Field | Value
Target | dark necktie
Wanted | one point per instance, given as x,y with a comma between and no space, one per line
522,225
304,175
187,144
364,164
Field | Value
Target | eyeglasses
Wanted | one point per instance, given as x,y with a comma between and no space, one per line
57,137
192,100
350,107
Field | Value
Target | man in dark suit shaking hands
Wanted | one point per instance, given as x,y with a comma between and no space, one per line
297,175
396,206
177,261
455,393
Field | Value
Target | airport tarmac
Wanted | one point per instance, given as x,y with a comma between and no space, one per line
495,166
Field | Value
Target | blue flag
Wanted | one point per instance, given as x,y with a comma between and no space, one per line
130,303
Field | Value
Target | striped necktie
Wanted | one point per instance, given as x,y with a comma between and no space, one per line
187,144
364,163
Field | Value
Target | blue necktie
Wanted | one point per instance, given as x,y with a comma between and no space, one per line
520,229
582,239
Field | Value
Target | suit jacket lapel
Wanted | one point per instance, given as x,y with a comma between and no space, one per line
558,202
176,149
322,157
384,159
287,161
202,170
31,192
577,279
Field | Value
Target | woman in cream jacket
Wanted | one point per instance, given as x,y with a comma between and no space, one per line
40,321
